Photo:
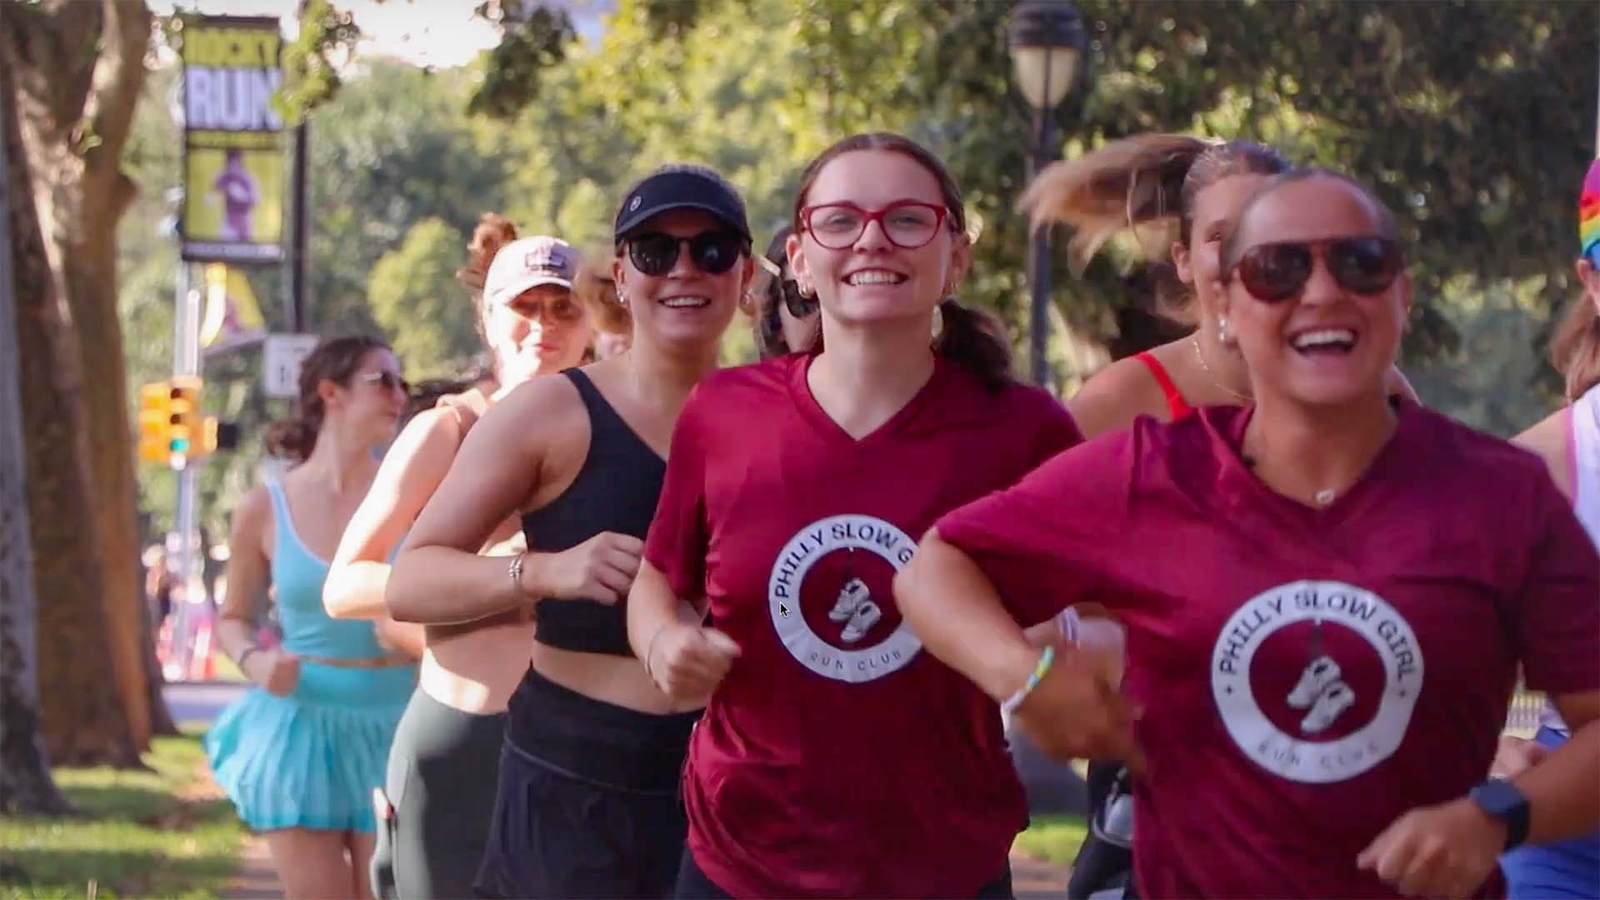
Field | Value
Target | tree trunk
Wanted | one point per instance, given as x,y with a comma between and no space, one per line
26,785
94,692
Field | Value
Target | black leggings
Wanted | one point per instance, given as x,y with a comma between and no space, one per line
441,782
694,885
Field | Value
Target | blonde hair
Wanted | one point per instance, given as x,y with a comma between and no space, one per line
597,292
1144,179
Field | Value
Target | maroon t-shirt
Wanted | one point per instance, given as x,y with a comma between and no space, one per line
1307,675
836,758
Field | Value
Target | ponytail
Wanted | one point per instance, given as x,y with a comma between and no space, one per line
975,339
1148,179
295,437
335,360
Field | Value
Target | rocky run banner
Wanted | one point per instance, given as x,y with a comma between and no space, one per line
233,166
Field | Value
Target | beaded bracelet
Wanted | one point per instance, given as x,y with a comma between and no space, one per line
1046,659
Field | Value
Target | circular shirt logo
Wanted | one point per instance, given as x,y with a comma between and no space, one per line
830,597
1316,680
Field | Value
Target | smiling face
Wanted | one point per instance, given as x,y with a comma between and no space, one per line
874,279
684,306
1332,340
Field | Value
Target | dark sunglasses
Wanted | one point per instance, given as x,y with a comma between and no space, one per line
1273,273
712,252
389,380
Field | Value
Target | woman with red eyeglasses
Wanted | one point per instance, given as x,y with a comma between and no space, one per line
1325,649
835,758
587,800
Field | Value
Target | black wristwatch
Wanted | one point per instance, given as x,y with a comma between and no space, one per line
1500,799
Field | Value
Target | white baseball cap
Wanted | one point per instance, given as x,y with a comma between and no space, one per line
529,263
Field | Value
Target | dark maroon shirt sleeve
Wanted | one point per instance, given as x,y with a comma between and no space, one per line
678,538
1558,611
1057,431
1043,541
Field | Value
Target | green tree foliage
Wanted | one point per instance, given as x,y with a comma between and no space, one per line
416,283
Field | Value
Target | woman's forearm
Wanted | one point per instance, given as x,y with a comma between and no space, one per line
652,606
445,586
234,636
354,590
1563,789
957,614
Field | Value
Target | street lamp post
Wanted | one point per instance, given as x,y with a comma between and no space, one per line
1047,43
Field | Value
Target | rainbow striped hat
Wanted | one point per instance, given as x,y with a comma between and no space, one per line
1589,214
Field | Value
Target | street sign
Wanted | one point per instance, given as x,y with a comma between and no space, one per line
281,357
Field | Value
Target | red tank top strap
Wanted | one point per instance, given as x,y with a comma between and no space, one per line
1177,407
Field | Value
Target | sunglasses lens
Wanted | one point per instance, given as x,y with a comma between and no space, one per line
1366,265
653,254
798,304
1275,272
715,252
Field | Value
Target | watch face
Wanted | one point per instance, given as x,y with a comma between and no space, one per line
1499,798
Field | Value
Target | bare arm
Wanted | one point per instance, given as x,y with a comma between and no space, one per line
652,606
247,574
1115,396
1563,789
411,472
440,578
956,612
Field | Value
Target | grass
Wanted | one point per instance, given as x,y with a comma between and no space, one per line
160,833
1052,839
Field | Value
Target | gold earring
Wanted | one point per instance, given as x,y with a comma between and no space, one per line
1223,337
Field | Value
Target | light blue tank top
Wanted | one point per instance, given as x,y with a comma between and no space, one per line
298,576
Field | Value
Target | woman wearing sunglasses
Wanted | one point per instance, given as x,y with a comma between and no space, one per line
1324,649
1569,443
785,319
441,773
1198,186
300,753
835,758
587,803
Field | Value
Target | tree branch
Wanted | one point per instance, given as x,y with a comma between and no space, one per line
53,47
117,80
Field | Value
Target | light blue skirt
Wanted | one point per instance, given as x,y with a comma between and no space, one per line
311,759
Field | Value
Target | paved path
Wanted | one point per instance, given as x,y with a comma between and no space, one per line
198,702
1034,880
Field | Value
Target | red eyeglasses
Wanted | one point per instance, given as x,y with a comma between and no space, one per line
908,224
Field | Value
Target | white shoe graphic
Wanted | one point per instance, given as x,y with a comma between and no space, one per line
866,616
851,596
1319,673
1331,703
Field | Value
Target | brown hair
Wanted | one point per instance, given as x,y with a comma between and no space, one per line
1575,347
1141,180
971,337
335,360
596,291
768,324
493,232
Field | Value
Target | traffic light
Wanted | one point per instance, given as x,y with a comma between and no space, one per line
154,417
184,421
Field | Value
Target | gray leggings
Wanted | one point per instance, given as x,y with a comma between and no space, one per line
442,772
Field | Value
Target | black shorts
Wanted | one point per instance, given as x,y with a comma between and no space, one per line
441,783
694,885
594,810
